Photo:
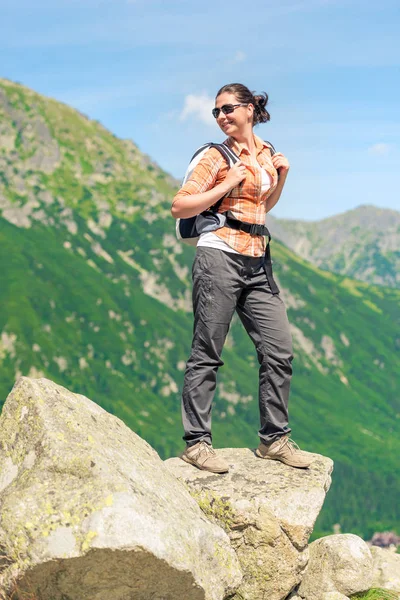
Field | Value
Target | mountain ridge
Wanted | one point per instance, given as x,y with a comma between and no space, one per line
361,209
362,243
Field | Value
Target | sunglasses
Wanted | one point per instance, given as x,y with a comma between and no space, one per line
226,109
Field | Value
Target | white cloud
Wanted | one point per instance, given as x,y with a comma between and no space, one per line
239,56
379,149
199,107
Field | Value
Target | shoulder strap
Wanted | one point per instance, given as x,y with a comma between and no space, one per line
199,150
270,146
231,158
228,154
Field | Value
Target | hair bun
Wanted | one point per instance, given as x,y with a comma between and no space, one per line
243,94
261,100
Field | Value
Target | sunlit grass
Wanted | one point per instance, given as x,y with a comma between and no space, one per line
377,594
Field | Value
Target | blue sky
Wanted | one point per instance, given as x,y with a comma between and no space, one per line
149,70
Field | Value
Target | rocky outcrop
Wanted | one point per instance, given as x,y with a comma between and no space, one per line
339,564
334,596
88,509
327,596
268,509
386,569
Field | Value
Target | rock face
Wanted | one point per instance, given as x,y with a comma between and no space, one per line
338,563
90,512
334,596
269,511
386,569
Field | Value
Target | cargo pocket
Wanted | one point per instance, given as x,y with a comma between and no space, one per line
203,285
206,299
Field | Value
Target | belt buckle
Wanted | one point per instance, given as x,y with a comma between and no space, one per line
253,229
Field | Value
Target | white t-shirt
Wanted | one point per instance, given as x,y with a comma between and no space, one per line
211,240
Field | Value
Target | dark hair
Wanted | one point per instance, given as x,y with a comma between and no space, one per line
243,94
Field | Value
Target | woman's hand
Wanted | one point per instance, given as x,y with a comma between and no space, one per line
280,162
188,205
235,175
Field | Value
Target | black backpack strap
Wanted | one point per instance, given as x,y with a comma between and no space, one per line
231,158
229,155
203,147
271,147
252,228
268,270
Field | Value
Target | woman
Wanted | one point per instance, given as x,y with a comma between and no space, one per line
231,272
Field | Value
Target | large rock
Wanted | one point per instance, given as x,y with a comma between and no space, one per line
386,569
338,563
269,511
90,512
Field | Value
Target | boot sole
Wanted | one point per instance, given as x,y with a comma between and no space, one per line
191,462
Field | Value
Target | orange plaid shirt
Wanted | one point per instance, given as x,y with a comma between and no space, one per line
245,202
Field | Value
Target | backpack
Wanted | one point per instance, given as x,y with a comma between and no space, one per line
188,230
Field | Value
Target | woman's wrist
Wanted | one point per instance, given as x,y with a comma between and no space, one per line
224,188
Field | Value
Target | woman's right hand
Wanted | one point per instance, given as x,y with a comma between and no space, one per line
188,205
236,175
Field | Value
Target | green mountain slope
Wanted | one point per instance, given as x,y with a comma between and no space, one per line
363,243
95,295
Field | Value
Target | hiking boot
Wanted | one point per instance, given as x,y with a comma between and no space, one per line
287,451
204,457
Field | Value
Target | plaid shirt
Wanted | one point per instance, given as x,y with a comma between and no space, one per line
245,202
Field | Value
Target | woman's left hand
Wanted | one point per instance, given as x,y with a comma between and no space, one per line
280,162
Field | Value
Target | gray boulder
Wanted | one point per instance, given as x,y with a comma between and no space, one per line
386,569
268,510
338,564
90,512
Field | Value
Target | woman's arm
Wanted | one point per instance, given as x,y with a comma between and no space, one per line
200,192
189,205
280,162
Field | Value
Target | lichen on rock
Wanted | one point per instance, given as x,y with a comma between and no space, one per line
88,509
268,509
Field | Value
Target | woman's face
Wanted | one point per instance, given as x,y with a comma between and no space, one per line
236,122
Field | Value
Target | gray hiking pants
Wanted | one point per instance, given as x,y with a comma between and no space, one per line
222,283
